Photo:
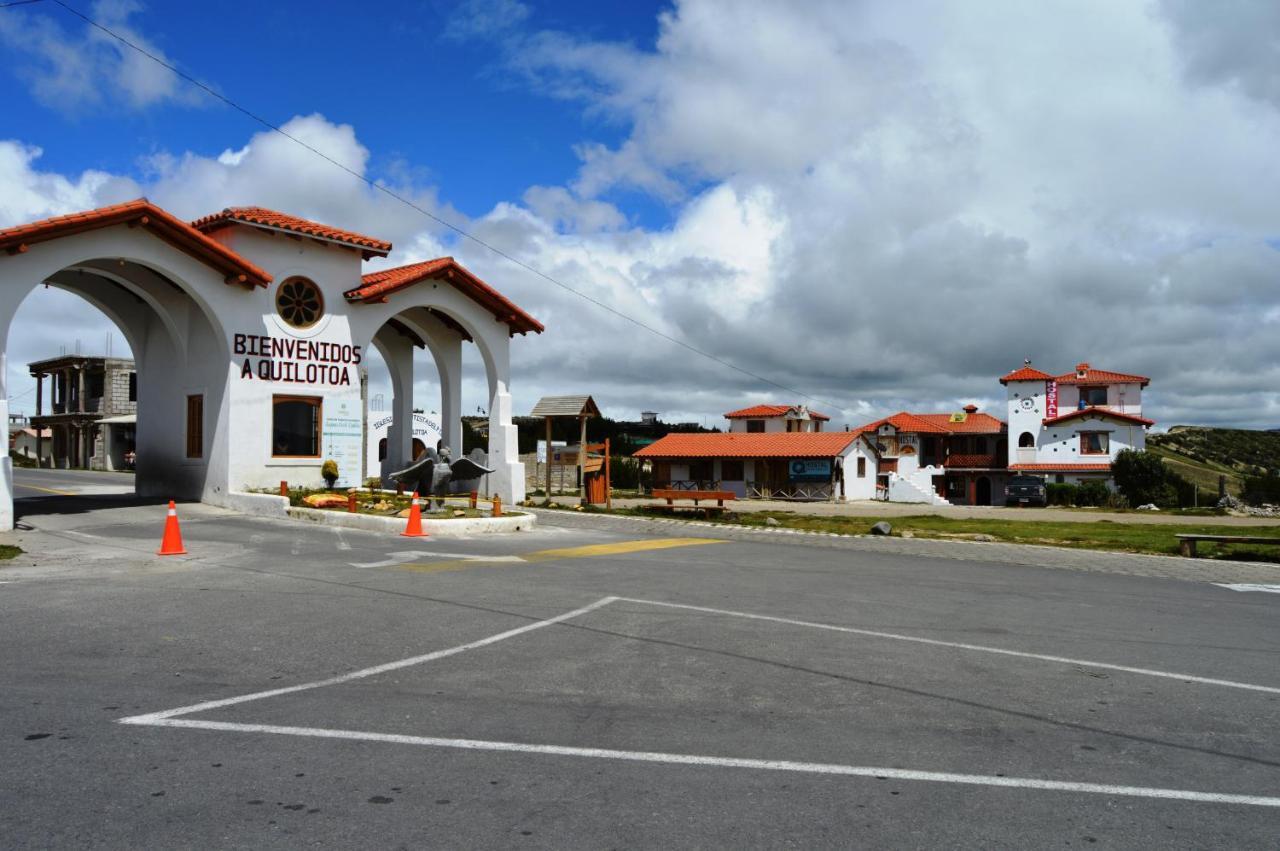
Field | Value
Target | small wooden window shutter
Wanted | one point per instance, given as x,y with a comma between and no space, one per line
195,426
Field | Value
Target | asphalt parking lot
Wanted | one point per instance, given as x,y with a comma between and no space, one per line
607,687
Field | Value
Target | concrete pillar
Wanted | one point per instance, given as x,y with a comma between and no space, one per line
398,353
446,348
504,444
39,412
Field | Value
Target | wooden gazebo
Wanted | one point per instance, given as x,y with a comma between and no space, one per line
581,407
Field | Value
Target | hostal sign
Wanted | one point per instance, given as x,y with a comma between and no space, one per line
295,361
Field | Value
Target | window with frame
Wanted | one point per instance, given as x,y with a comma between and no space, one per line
755,426
1093,443
1093,396
133,387
195,425
731,470
295,426
700,471
862,468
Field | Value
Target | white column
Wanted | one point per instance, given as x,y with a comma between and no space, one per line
398,353
504,446
7,309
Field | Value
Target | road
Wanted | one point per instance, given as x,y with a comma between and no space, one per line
29,482
613,687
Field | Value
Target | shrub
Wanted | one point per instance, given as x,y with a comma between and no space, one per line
1093,493
629,473
1060,494
373,482
1262,489
329,471
1142,477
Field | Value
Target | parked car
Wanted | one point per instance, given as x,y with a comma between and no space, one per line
1026,490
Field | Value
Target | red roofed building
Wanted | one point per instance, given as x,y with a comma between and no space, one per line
769,452
1067,428
956,458
768,419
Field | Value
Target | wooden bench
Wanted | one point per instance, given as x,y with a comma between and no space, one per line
1187,543
696,496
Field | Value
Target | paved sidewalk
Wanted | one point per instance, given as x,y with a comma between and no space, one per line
877,509
1058,558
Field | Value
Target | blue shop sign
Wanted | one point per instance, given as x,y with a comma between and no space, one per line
810,470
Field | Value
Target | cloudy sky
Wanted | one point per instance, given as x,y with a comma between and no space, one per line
876,206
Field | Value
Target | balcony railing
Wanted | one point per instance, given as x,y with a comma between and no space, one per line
799,491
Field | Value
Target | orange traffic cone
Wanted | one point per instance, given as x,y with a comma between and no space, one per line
171,543
414,527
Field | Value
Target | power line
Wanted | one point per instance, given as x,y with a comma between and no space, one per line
390,193
19,3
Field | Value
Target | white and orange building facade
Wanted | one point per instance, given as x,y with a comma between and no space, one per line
940,458
1068,428
251,329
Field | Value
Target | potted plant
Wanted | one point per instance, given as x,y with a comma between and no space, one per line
329,471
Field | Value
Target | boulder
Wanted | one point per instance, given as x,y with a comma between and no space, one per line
881,528
769,521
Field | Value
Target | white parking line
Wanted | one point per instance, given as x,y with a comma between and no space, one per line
153,717
406,556
1266,589
733,762
980,648
170,718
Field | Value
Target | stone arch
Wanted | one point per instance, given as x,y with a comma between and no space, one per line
156,295
418,308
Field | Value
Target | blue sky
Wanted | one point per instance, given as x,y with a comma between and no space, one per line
440,103
879,205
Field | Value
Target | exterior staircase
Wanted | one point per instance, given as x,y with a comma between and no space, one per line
904,490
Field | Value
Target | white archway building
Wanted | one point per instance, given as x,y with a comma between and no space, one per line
249,329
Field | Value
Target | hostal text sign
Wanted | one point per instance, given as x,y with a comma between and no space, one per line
294,361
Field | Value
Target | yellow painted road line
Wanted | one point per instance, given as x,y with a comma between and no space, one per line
620,548
617,548
45,490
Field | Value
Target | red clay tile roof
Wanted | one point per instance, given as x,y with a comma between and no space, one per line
1061,468
377,286
262,217
794,444
1100,412
977,423
1102,376
769,411
1026,373
143,213
989,461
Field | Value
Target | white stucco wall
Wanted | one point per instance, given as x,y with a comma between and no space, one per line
863,487
1125,398
1060,444
773,425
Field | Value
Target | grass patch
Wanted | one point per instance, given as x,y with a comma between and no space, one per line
1102,534
8,551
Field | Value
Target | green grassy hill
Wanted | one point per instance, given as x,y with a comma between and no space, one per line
1200,454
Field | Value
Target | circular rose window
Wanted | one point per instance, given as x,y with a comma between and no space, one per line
298,301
